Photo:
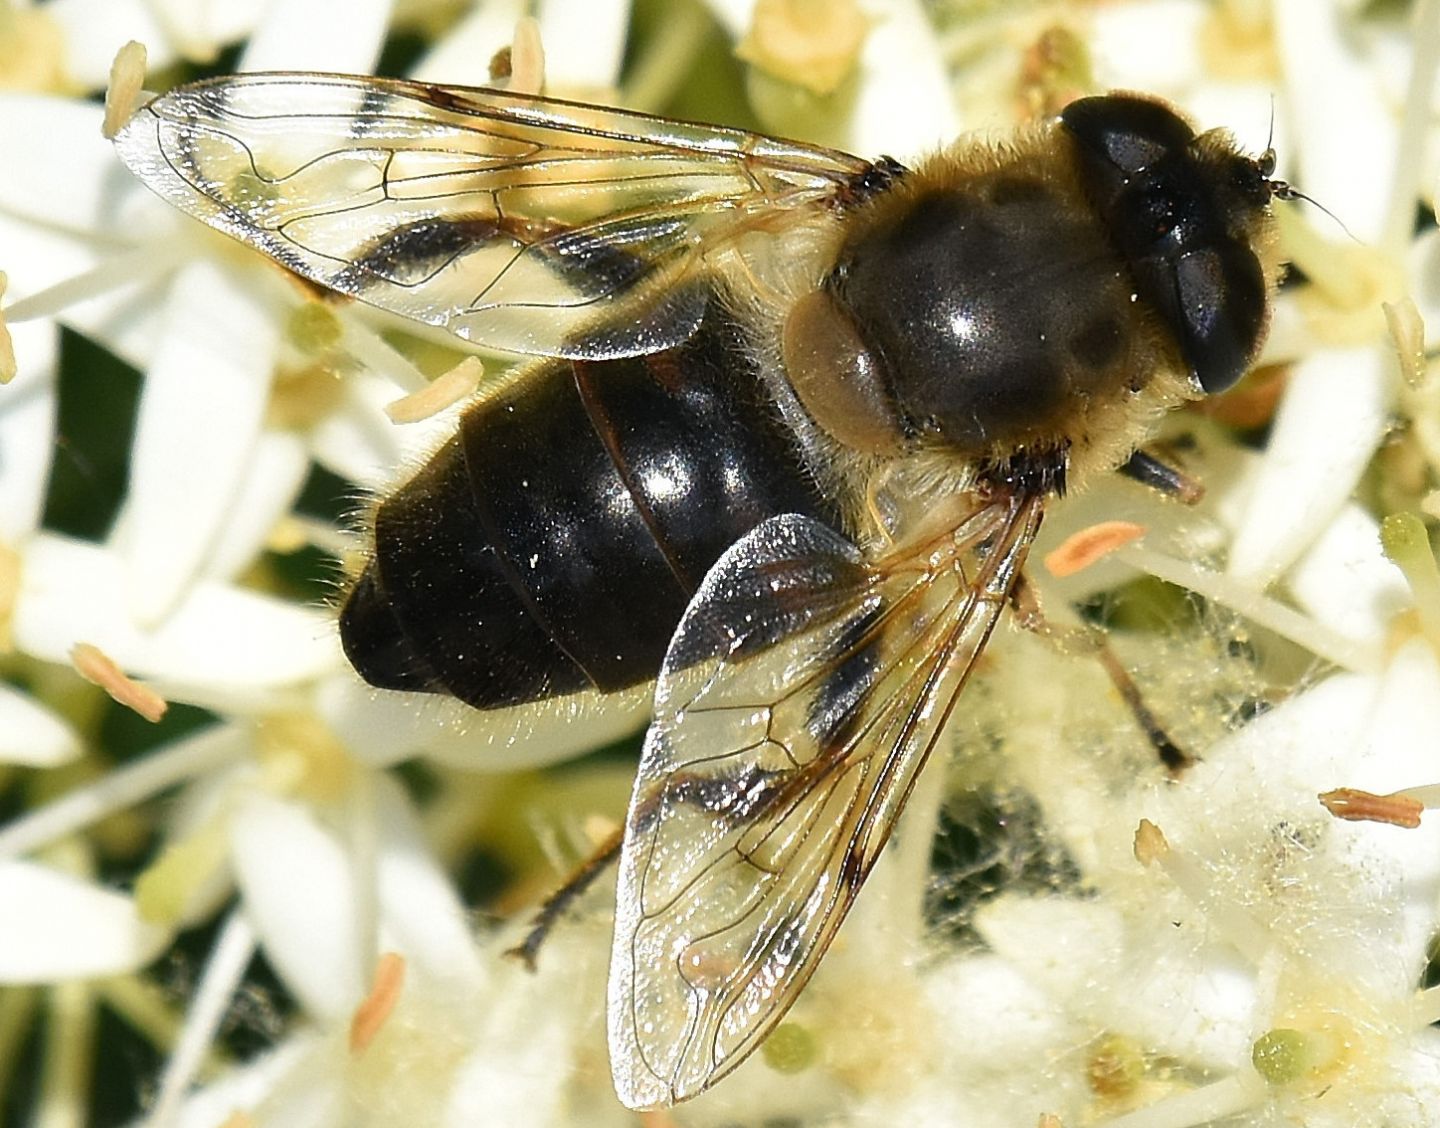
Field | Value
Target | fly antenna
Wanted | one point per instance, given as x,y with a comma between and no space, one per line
1281,190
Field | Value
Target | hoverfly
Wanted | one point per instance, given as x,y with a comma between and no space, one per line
796,423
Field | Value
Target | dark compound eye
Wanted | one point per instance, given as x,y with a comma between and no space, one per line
1173,206
1221,296
1127,133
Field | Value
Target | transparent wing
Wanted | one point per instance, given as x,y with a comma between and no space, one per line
511,221
800,696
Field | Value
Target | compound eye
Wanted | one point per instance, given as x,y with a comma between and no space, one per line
1129,134
1221,292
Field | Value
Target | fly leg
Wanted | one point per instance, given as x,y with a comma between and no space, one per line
1163,478
560,902
1091,640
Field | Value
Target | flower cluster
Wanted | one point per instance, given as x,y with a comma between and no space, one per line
290,859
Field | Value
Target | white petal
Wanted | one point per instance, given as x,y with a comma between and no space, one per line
1399,746
1151,45
1329,423
36,257
202,29
970,991
96,29
356,440
1397,752
276,474
904,110
59,927
381,727
1146,983
1346,582
322,35
300,1071
463,55
32,735
509,1079
199,419
1245,108
1345,134
1424,282
74,592
60,171
584,41
733,15
27,431
531,736
299,892
422,915
1276,764
129,323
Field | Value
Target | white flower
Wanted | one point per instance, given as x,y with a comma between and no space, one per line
278,807
1263,967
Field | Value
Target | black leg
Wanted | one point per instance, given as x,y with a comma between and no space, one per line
559,902
1162,477
1028,614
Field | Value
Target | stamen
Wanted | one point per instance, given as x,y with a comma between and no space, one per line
444,391
1407,330
127,79
150,1010
67,1057
1244,932
293,532
1354,805
1406,541
527,58
1082,549
7,346
371,1014
98,668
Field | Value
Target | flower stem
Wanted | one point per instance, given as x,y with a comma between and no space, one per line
1198,1106
1258,608
17,1011
668,58
68,1057
228,960
113,273
121,788
1414,126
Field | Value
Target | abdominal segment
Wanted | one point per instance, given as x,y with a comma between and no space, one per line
552,544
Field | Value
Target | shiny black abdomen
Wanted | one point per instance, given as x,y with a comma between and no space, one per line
553,543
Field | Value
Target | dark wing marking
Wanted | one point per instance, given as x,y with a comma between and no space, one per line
511,221
801,694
